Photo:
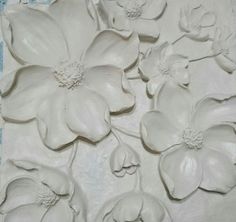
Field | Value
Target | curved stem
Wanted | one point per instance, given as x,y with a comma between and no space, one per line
127,132
178,39
138,181
204,57
73,154
117,136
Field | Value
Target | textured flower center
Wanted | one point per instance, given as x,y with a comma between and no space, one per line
134,9
69,74
46,197
193,139
165,70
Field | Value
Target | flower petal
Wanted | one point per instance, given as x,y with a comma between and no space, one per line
218,172
56,180
119,21
76,23
176,103
222,138
152,210
148,30
156,84
26,213
148,65
158,133
61,212
128,208
26,90
87,114
109,47
52,123
41,44
153,9
225,63
181,171
181,76
19,191
208,19
214,110
110,82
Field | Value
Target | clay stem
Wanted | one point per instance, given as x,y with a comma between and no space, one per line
73,154
127,132
204,57
178,39
117,136
138,181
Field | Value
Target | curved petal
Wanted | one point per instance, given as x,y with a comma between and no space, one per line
52,123
111,83
87,114
214,110
156,84
225,63
119,21
181,171
128,208
56,180
146,29
19,191
208,19
157,132
109,47
24,93
61,212
153,9
152,210
221,138
41,44
181,76
176,103
148,66
26,213
218,172
78,26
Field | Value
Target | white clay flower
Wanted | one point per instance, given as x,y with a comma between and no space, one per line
136,15
224,44
195,22
124,160
72,85
198,144
42,194
134,207
161,65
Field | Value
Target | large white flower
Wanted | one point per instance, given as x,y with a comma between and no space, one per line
224,46
198,144
72,86
136,15
134,207
161,65
41,193
195,22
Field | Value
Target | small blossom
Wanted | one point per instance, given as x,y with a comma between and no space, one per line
124,160
195,22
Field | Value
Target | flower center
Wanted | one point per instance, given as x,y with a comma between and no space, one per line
193,139
165,70
134,9
69,74
46,197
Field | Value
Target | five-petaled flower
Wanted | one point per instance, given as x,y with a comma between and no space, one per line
136,15
41,193
197,144
161,65
73,85
134,207
224,47
124,160
196,22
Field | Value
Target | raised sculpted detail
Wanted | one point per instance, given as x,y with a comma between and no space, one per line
193,139
41,193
